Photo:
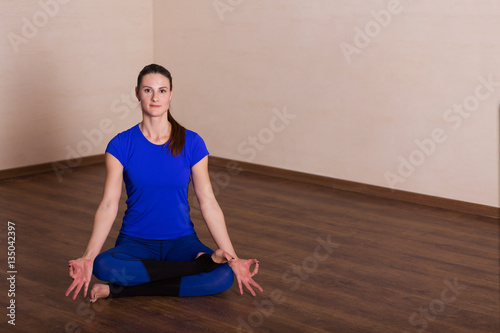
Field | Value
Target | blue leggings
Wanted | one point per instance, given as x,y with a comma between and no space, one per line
126,268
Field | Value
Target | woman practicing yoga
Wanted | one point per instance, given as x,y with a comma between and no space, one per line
157,251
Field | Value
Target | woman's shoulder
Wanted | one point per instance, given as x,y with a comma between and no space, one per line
195,144
192,136
123,139
131,131
128,133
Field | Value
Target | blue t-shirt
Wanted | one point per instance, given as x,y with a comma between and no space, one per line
157,184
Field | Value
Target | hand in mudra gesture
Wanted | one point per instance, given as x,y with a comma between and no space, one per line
80,270
244,276
241,268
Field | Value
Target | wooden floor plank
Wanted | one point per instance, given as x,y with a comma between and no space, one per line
387,261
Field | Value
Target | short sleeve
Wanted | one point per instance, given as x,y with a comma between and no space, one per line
198,149
116,149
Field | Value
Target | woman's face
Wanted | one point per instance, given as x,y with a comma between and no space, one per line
154,94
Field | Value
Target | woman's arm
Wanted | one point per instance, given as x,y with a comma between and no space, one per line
214,218
81,269
108,208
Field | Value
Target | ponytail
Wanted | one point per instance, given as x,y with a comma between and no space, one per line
177,136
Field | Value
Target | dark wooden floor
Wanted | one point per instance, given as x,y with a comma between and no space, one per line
388,266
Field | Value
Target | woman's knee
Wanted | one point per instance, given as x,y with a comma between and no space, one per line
204,284
101,267
226,277
222,280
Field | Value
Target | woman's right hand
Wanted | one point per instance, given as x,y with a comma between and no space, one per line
80,270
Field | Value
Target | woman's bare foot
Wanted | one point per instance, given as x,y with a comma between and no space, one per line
99,290
219,256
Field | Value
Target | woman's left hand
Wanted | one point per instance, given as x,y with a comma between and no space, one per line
241,268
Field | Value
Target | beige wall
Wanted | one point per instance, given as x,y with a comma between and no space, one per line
67,70
286,83
361,100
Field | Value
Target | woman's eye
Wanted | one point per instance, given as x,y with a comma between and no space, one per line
147,90
163,91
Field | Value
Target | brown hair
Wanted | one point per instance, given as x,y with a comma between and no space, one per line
178,134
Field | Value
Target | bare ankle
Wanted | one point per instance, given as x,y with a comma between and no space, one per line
98,291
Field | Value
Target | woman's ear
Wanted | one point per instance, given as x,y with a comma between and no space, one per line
137,93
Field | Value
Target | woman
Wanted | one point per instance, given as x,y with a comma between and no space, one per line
157,251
